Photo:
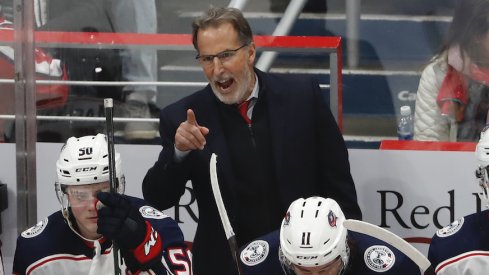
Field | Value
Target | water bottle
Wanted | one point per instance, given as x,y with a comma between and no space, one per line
405,128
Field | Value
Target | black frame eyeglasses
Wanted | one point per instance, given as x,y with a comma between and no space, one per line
208,59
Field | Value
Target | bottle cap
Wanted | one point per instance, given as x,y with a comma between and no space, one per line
405,110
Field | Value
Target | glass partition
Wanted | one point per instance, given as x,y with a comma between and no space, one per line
85,51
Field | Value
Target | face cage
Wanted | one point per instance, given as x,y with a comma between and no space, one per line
482,174
288,266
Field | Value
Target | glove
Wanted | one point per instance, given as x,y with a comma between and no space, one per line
119,221
140,243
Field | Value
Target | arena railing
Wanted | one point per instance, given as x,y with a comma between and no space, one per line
179,42
25,82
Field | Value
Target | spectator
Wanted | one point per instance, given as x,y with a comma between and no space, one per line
453,97
46,68
313,240
78,239
124,16
461,247
285,134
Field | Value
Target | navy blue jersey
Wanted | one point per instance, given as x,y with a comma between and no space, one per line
51,247
368,256
462,247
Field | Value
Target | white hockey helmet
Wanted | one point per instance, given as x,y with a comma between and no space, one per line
312,233
482,173
85,160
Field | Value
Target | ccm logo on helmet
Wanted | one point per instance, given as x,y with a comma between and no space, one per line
86,169
307,257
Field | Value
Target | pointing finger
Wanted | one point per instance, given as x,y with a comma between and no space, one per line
191,117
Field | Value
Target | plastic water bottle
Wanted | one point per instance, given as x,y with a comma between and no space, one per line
405,128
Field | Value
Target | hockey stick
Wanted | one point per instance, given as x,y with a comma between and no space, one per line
400,244
228,229
109,120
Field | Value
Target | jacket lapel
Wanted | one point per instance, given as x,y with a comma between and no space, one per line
216,143
277,104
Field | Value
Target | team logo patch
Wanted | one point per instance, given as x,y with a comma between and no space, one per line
35,230
151,213
451,229
331,219
379,258
255,253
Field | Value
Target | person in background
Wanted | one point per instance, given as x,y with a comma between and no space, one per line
462,247
452,101
78,239
129,64
46,68
269,132
313,240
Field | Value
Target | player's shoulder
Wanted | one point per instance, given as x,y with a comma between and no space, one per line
463,235
45,228
261,255
372,255
461,227
148,211
39,240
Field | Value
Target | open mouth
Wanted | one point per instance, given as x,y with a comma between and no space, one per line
225,84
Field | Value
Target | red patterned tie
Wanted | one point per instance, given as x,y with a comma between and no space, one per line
243,110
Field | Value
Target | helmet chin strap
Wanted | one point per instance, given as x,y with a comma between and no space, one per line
345,259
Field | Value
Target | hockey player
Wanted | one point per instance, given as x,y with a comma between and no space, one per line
78,239
463,246
313,240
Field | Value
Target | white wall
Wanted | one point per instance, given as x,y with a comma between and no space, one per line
426,181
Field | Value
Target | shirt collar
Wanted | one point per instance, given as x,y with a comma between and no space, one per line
256,88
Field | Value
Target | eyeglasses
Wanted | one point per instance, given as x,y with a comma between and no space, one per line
208,60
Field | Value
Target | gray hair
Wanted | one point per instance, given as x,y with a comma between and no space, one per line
216,16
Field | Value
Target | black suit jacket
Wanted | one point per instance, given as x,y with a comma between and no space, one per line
309,154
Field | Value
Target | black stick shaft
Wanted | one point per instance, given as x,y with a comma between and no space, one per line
235,251
109,119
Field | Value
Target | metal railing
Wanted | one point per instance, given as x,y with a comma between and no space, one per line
25,85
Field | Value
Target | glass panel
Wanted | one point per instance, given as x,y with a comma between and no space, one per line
383,56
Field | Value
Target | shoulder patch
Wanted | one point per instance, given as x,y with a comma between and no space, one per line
255,253
151,213
450,229
35,230
379,258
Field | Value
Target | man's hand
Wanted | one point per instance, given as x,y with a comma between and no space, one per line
190,135
119,221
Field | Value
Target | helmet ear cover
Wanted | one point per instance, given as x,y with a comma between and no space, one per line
61,195
312,233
